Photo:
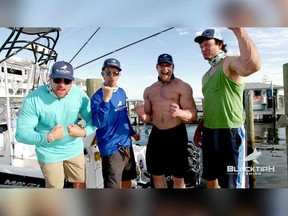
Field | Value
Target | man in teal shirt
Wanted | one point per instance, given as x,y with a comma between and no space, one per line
48,120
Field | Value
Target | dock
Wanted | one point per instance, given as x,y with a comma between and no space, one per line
131,103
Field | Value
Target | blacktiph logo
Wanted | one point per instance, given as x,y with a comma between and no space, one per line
253,156
251,170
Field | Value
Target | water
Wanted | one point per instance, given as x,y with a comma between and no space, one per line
273,153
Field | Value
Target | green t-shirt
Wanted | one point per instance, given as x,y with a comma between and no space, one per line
223,101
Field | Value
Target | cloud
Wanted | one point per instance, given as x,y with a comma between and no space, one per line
271,38
182,31
277,59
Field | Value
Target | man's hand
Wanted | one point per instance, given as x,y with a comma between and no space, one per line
76,131
197,139
174,110
198,134
137,136
108,92
57,132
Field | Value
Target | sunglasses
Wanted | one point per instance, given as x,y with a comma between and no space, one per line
59,80
108,73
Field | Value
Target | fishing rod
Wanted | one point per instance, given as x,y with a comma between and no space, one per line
84,45
124,47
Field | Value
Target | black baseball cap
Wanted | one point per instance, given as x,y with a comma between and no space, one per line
208,34
165,58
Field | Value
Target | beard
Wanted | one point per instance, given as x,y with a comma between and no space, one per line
168,80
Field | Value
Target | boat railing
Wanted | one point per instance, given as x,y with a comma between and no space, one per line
19,76
43,52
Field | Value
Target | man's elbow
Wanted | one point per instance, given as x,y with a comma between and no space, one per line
19,137
193,118
256,66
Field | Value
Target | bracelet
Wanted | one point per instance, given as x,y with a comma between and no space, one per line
51,137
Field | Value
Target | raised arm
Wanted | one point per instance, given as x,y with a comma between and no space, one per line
249,60
100,111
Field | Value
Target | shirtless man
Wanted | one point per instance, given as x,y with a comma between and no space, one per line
168,104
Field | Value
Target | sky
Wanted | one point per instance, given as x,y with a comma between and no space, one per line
138,62
127,21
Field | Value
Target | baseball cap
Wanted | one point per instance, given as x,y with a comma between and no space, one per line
62,69
208,34
165,58
111,62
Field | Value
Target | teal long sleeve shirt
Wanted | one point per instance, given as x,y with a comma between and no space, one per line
41,111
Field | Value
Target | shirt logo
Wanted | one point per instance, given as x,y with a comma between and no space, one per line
120,107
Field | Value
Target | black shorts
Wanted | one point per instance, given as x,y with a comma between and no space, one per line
116,168
167,150
221,149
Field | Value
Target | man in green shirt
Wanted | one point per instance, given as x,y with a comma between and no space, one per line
223,134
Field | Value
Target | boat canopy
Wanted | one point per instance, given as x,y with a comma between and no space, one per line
43,52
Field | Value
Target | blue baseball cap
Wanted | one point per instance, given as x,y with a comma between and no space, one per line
165,58
62,69
111,62
208,34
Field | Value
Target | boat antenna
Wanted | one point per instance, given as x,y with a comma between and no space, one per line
124,47
84,44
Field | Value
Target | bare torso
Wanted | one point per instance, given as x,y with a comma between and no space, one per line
158,98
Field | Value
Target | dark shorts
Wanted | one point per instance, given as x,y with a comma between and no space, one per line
116,169
223,149
167,150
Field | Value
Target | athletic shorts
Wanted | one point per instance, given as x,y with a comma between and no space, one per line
167,150
72,170
221,149
116,168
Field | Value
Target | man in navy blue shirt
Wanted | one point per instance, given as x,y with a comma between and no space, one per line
109,114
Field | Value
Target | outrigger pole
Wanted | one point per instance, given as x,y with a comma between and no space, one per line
123,47
84,45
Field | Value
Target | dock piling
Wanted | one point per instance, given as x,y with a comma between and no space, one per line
93,85
250,133
285,82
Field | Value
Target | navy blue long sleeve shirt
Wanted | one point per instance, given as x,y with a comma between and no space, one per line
111,119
